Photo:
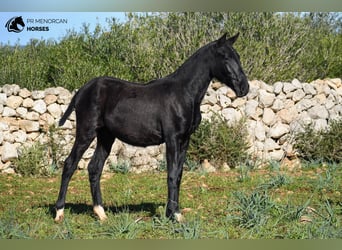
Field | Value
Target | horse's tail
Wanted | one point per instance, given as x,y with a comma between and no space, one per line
68,111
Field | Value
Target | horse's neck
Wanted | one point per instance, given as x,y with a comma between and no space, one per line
194,76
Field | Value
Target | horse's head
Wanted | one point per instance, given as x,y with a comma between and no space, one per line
227,68
19,20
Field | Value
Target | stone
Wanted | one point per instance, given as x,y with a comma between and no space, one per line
239,102
288,87
55,110
298,95
296,83
309,89
304,104
8,171
20,136
8,112
318,112
10,89
269,117
278,130
52,91
224,101
46,120
204,108
8,152
231,115
266,99
3,98
288,115
330,103
64,96
276,155
216,85
267,87
14,101
24,93
222,91
29,126
270,145
49,99
127,151
252,93
337,82
320,124
68,125
8,136
28,103
21,112
278,105
231,94
32,116
260,132
39,106
277,87
37,94
207,167
211,98
250,108
3,125
225,167
320,98
140,160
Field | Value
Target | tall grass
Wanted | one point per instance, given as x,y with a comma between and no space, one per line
272,47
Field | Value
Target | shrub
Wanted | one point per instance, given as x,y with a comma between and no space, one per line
121,166
31,161
217,141
322,145
285,46
41,159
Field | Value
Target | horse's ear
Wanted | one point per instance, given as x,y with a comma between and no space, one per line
232,39
222,40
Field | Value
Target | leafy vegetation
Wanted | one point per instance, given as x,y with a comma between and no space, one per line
273,47
270,204
41,159
217,141
323,145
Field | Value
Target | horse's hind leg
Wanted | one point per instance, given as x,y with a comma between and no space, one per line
81,144
104,144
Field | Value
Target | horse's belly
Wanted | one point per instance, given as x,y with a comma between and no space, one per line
135,129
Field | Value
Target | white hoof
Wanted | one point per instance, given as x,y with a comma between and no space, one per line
179,217
99,211
59,215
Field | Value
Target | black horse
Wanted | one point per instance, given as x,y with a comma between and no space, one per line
163,110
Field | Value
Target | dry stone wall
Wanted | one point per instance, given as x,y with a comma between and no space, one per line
272,112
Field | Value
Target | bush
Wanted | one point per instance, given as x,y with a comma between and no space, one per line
219,142
273,47
322,145
31,161
41,159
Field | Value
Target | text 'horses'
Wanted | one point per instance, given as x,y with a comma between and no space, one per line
163,110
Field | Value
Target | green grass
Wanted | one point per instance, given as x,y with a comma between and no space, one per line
269,204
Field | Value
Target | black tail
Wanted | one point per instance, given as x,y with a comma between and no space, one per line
68,111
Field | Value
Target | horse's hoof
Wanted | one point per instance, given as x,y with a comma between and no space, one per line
59,215
179,217
99,211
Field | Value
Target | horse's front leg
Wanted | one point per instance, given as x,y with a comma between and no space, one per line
175,156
